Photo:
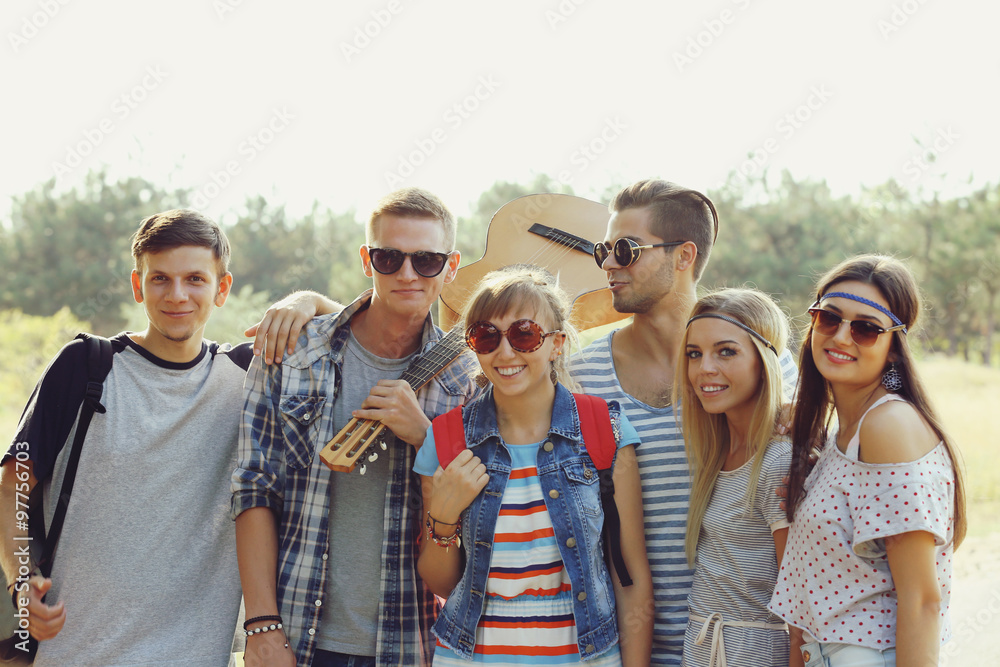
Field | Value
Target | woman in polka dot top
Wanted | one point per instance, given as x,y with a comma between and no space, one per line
866,577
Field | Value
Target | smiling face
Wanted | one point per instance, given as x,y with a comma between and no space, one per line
639,287
178,288
724,368
522,374
406,294
838,357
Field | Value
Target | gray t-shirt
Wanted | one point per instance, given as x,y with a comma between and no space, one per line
146,563
357,514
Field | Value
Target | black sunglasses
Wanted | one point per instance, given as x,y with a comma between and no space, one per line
523,336
389,260
626,251
863,332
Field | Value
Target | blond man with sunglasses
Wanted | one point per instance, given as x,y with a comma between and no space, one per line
328,560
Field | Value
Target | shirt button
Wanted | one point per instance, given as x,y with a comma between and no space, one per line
548,446
553,494
588,473
312,631
589,648
581,596
806,656
326,556
306,416
571,542
319,603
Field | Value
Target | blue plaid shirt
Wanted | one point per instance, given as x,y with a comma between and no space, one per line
287,420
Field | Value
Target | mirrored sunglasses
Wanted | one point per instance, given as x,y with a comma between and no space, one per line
626,251
523,336
863,332
389,260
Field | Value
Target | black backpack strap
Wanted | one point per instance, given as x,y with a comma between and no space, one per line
99,359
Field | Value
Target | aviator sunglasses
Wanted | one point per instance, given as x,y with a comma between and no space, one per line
864,333
626,251
389,260
523,336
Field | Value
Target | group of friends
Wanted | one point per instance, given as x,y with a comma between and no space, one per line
483,531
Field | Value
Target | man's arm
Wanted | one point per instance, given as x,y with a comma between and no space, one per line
257,554
279,329
16,482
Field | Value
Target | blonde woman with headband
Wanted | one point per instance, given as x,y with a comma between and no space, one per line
731,395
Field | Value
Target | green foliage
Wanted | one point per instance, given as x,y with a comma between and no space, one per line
29,342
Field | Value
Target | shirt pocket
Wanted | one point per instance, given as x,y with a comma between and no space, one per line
584,485
300,418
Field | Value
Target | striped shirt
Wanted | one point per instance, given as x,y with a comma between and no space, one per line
528,615
666,490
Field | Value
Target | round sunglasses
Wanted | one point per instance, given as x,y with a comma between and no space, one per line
389,260
863,332
626,251
523,336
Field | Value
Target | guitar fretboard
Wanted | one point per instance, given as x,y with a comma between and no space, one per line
430,364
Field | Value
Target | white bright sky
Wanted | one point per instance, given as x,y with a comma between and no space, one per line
562,74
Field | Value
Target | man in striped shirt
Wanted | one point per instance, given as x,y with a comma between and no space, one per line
657,244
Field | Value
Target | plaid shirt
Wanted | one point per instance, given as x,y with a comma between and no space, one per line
287,420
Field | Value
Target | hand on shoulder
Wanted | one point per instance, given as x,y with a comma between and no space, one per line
895,433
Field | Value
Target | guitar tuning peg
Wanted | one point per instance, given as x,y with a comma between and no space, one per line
362,469
381,443
373,457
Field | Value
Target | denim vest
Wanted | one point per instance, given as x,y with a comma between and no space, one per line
571,490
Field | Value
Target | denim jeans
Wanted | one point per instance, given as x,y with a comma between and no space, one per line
845,655
328,659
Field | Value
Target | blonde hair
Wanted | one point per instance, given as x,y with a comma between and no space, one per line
706,436
525,286
414,203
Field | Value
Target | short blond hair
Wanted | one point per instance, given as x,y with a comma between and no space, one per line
416,203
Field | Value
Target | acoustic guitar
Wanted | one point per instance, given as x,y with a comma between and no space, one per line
547,230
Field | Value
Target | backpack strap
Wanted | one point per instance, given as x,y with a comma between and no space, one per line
99,359
599,439
449,435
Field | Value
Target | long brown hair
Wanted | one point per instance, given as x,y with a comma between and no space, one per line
814,398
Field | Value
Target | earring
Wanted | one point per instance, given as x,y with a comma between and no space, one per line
553,375
891,379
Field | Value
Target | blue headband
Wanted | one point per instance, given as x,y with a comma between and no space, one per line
867,302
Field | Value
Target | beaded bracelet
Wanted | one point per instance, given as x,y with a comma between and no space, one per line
257,619
445,542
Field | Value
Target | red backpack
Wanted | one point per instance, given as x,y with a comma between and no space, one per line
598,438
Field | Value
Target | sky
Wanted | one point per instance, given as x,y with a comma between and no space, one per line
342,102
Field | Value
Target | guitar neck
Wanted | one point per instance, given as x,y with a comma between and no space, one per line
428,365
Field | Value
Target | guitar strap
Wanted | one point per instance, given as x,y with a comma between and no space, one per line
598,438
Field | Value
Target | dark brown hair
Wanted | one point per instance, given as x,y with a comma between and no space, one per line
180,227
679,214
814,399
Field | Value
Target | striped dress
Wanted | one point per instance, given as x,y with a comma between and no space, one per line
528,616
666,490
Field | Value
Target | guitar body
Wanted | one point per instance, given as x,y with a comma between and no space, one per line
555,232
